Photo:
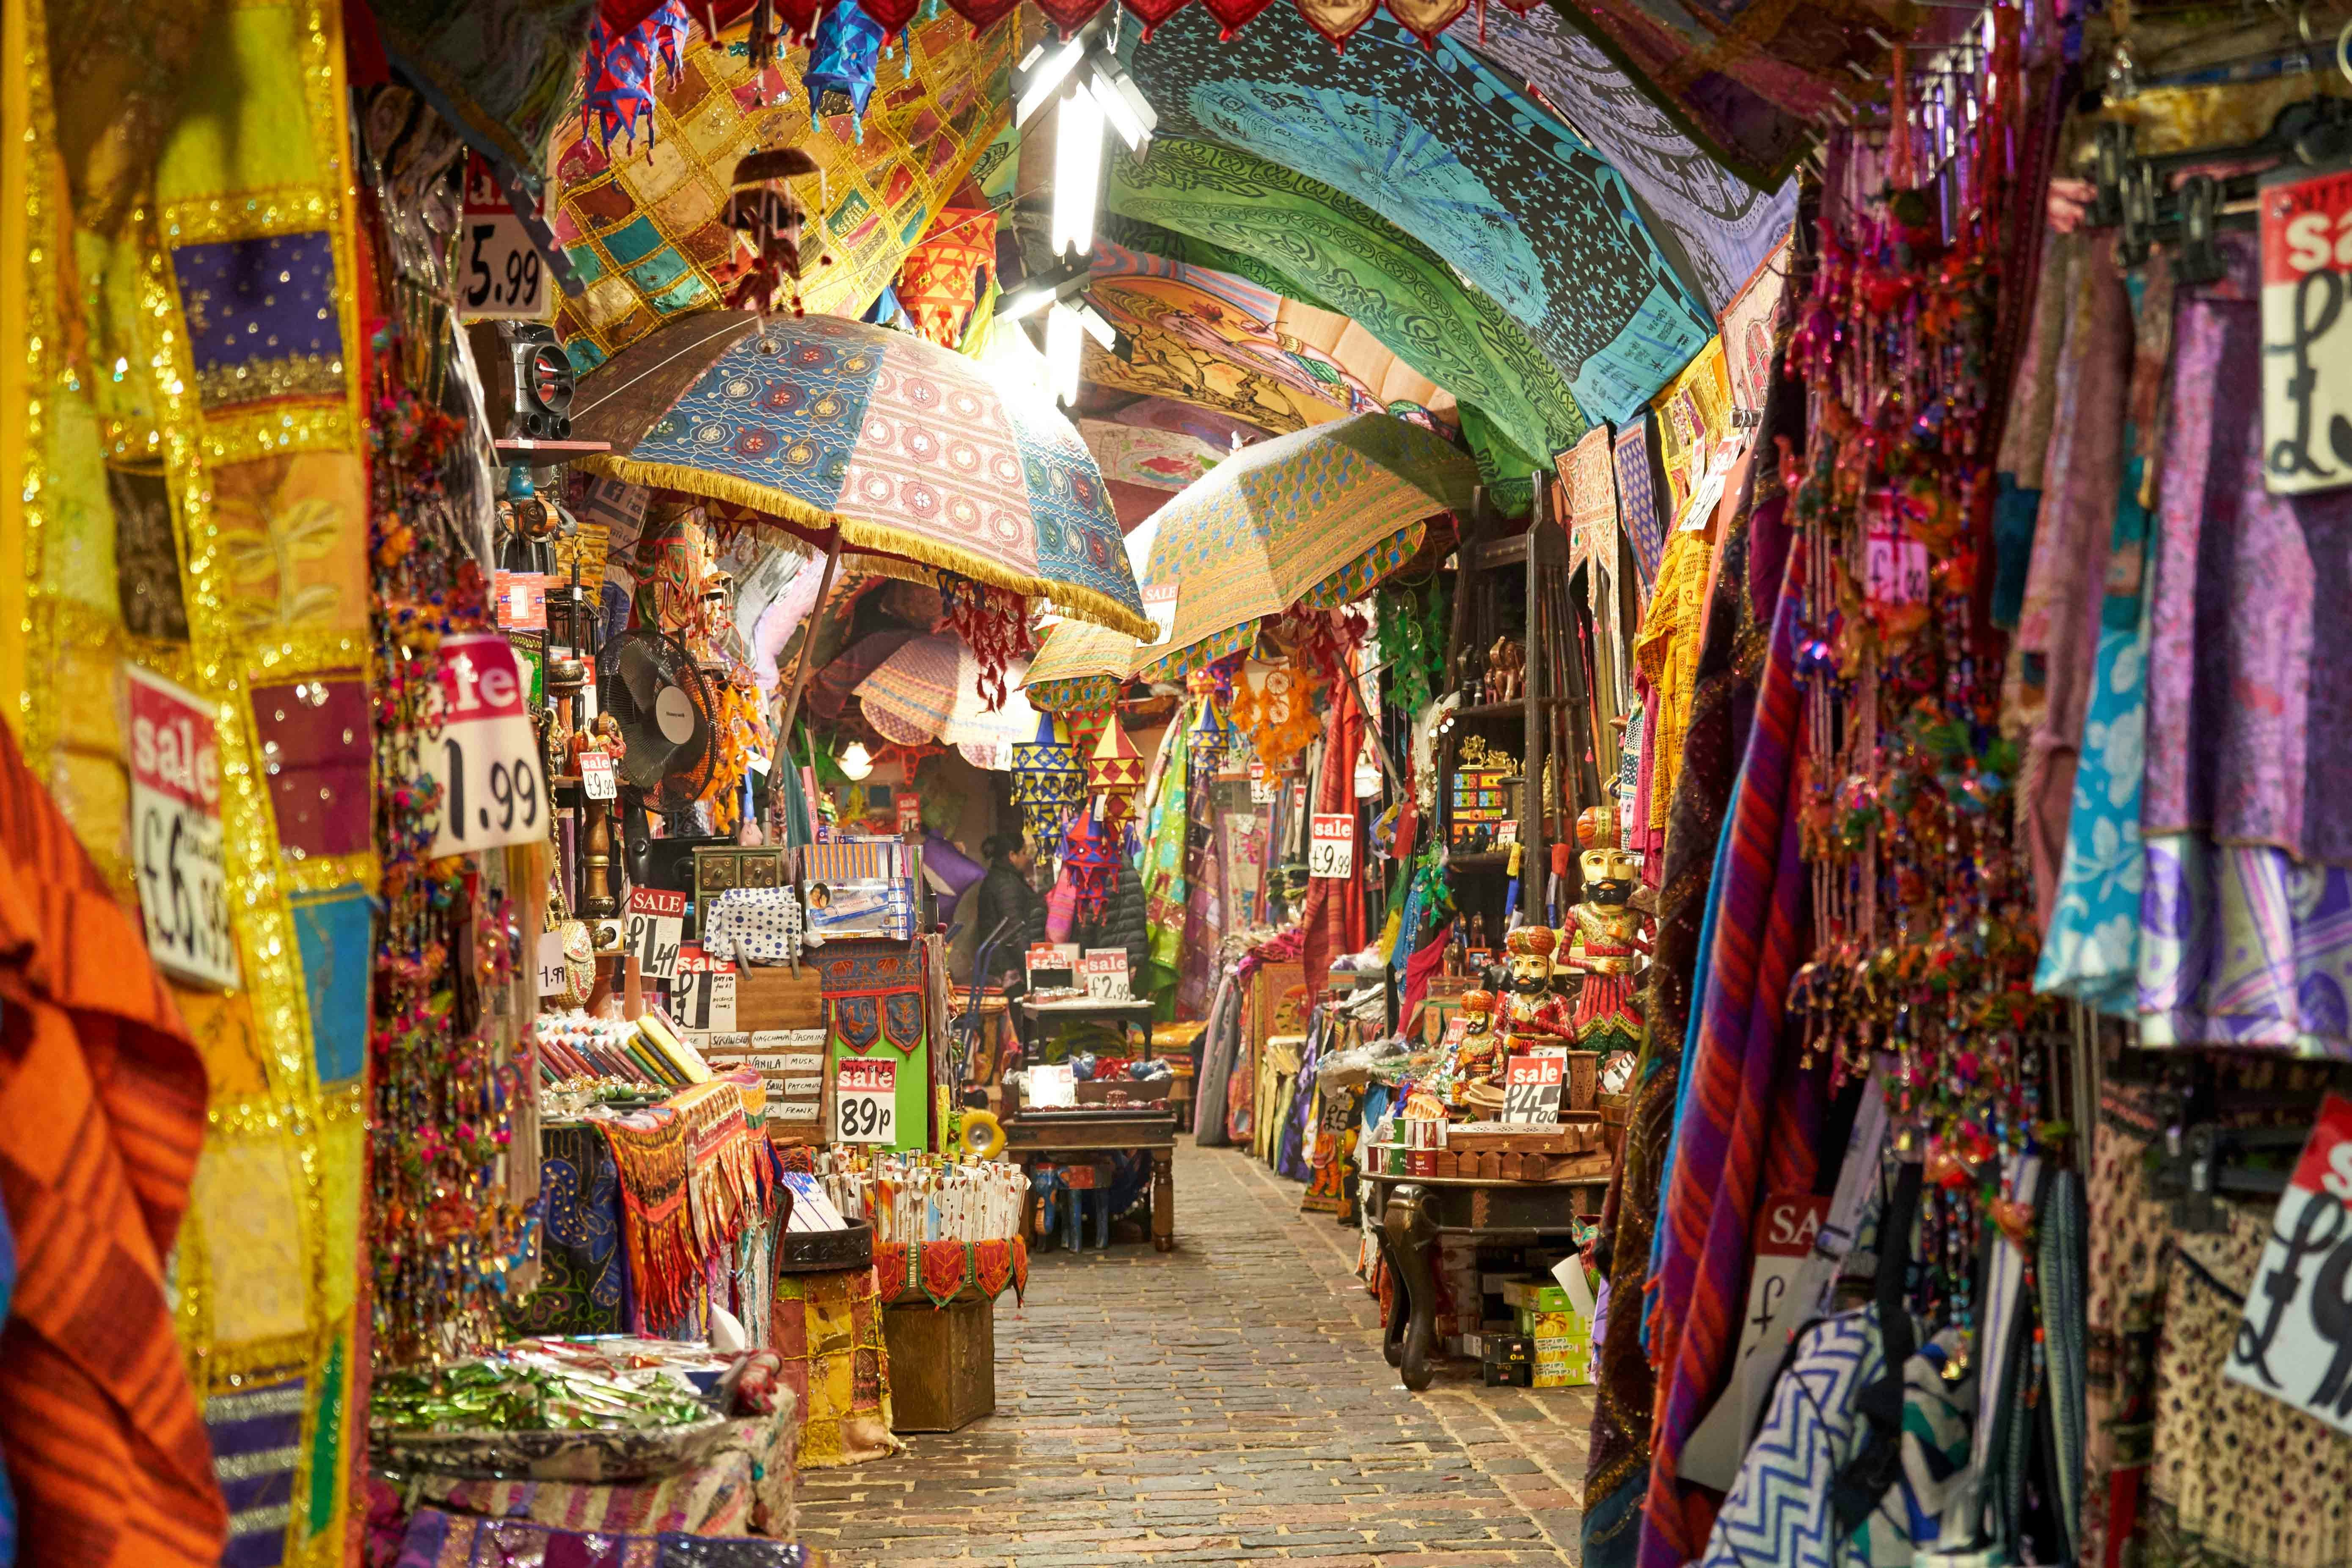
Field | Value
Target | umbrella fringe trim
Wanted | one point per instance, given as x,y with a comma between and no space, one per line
1067,598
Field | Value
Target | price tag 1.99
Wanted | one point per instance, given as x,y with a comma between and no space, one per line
552,978
493,790
865,1101
175,832
1331,850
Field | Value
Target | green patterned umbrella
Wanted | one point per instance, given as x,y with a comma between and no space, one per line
1316,517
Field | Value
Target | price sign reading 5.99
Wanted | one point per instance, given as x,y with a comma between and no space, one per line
175,832
494,788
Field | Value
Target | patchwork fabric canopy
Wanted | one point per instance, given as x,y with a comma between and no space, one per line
1454,153
1315,517
908,449
909,696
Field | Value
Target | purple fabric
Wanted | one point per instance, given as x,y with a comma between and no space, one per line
1637,500
315,734
2249,682
2239,946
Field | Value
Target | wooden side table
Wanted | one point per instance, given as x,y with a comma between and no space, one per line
1416,1210
1036,1134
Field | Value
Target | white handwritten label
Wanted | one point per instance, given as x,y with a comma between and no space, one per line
175,832
657,930
866,1101
486,757
552,977
2307,249
705,998
2296,1341
1331,849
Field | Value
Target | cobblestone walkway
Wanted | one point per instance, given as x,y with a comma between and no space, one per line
1224,1402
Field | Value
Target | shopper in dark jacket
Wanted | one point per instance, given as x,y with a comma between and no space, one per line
1124,922
1006,893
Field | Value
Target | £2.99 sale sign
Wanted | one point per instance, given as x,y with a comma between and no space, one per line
175,832
486,757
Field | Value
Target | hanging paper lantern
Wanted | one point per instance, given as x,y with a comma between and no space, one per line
1090,858
840,66
1213,738
1114,775
1047,783
624,73
945,275
1085,726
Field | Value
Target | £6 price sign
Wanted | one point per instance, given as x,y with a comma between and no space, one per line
865,1101
175,832
494,789
2295,1340
1331,853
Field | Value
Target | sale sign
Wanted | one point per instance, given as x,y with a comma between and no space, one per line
499,272
1103,972
657,931
486,756
596,780
2307,251
1332,849
1532,1086
2295,1342
1159,603
866,1101
175,831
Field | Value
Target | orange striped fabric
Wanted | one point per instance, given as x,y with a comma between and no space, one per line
102,1116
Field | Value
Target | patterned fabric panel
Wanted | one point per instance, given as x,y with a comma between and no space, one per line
583,1284
1452,152
335,929
1078,535
262,319
314,733
1637,500
785,421
257,1445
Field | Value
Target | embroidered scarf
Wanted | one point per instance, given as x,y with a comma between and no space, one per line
652,1154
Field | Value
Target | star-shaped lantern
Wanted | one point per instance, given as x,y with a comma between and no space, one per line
1114,773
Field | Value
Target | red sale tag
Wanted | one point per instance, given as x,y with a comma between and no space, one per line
486,756
2295,1342
2307,246
175,831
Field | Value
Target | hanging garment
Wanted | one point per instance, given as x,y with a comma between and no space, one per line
1749,1118
101,1115
584,1283
2247,912
1218,1044
1333,920
1755,551
2091,948
1782,1513
2054,654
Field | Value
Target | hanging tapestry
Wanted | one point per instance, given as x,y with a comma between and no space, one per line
1694,416
828,1330
1342,252
583,1283
651,1152
1637,500
1448,149
247,392
1589,471
1725,228
499,75
937,1272
872,991
645,233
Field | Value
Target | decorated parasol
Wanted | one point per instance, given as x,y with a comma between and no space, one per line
885,443
929,690
1316,517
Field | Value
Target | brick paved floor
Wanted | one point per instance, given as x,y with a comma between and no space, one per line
1225,1401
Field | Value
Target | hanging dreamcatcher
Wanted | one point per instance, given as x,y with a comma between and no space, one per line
1275,708
994,624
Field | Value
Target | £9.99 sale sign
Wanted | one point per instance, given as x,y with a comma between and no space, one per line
175,832
494,787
